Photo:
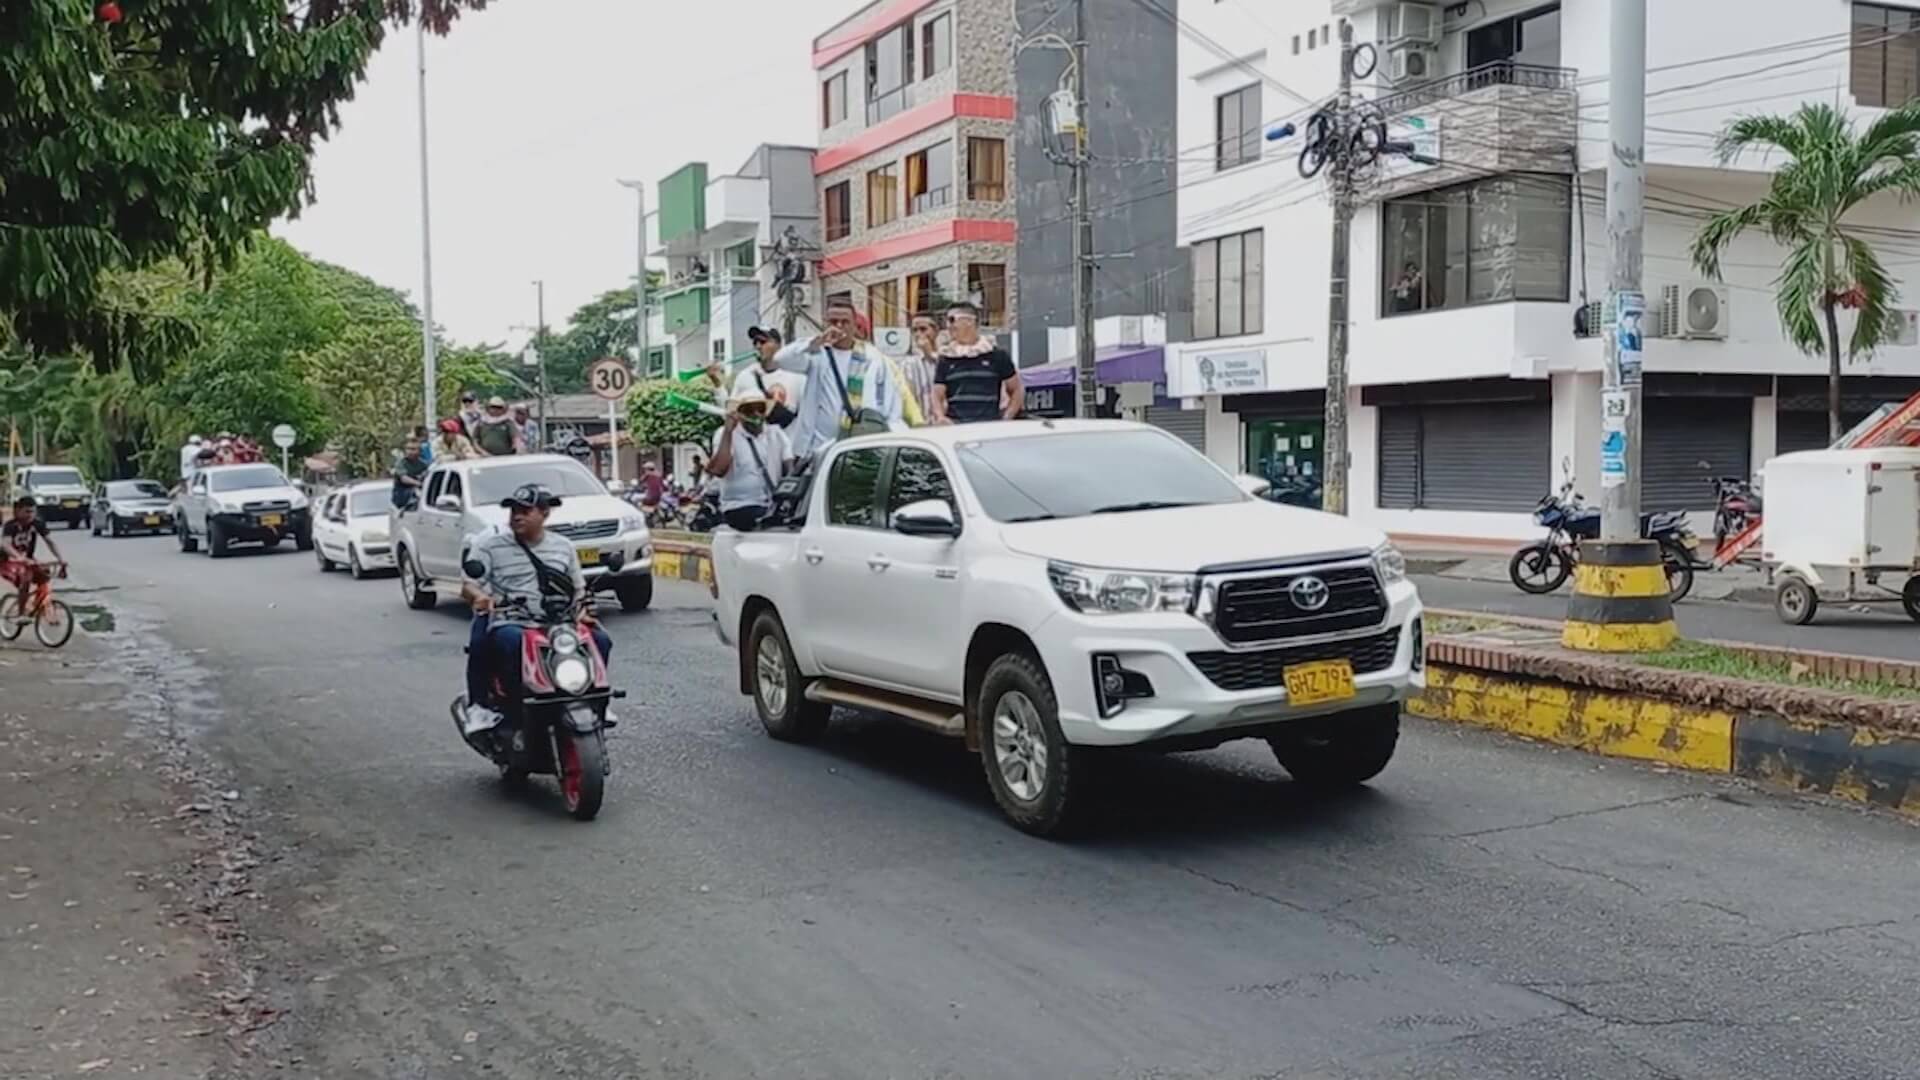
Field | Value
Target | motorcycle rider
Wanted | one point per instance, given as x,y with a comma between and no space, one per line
509,555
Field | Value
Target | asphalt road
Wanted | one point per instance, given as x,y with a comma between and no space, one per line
742,908
1879,630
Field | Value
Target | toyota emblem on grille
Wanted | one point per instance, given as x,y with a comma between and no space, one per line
1309,593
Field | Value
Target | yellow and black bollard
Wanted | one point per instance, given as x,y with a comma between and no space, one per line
1620,601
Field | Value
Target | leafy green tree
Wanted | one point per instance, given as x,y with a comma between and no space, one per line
1830,170
655,421
161,129
600,327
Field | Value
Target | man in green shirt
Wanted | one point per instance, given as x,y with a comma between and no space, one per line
496,434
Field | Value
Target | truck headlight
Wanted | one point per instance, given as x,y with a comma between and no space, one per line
632,522
571,675
1391,565
1095,591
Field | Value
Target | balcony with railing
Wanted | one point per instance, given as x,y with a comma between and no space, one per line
1499,117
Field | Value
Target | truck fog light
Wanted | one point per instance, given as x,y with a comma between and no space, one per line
1114,686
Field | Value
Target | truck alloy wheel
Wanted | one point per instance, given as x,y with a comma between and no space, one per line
1033,771
779,691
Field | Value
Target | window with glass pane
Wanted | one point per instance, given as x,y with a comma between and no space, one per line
883,304
742,259
930,178
883,195
1884,59
889,70
986,170
853,488
839,210
833,100
1229,282
1531,38
931,292
917,477
1236,127
987,287
1503,238
936,46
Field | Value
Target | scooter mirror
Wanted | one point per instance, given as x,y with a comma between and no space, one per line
613,561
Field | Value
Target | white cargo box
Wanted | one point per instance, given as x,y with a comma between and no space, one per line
1843,509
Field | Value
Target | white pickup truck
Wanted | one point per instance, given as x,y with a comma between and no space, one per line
1042,590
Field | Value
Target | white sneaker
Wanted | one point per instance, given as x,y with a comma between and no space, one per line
479,718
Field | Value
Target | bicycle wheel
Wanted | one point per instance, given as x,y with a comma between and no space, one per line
55,625
10,624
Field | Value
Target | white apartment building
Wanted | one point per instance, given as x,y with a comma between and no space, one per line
1473,376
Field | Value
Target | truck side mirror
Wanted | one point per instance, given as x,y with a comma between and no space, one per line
928,517
1253,485
448,503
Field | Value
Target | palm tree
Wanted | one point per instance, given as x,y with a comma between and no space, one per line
1829,263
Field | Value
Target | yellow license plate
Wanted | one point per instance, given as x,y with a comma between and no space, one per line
270,519
71,504
152,519
1320,681
589,557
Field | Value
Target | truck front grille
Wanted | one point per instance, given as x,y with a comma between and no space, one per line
1251,610
1267,667
588,530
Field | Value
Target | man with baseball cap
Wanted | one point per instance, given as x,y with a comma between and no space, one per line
523,561
749,457
780,387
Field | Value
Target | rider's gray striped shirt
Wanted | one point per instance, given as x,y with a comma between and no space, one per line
509,574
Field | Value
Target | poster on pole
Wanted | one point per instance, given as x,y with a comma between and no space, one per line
1614,408
1630,313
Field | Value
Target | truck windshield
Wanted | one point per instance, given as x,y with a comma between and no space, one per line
488,484
252,476
54,478
1046,475
135,489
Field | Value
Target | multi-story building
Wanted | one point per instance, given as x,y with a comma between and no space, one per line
1475,362
715,238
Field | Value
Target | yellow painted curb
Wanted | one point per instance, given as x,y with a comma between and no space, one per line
1619,637
1591,580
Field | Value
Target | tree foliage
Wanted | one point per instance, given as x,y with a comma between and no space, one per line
656,422
600,327
1830,261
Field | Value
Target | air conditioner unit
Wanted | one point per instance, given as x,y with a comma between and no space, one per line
1697,310
1408,62
1413,23
1905,328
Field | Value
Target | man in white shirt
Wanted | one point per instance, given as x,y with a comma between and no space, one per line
849,387
749,460
782,389
189,458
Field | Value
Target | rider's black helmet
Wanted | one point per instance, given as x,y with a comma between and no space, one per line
529,497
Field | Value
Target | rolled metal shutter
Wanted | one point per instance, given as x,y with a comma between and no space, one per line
1399,457
1189,424
1680,433
1491,456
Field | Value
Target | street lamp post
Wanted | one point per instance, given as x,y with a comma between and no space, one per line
428,357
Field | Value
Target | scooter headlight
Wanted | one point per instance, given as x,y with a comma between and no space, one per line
564,641
571,675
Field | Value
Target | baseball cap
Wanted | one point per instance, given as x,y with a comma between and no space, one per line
530,496
758,334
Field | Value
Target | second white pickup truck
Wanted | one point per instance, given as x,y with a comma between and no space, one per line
1043,590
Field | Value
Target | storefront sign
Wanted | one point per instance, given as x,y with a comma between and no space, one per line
1241,372
1049,401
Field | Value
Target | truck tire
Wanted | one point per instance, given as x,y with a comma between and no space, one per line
187,543
1341,750
779,690
1033,771
303,541
419,597
216,540
634,595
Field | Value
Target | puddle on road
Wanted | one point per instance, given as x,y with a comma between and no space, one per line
94,618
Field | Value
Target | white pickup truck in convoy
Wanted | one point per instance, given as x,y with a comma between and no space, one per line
1043,590
460,498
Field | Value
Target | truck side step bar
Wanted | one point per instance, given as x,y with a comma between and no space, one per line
932,715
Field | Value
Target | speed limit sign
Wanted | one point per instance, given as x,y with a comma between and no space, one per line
609,378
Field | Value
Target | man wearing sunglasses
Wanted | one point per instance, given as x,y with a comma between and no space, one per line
749,458
976,379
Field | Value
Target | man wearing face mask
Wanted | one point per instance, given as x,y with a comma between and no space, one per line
749,458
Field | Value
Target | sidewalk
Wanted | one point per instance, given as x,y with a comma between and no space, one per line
1487,561
112,866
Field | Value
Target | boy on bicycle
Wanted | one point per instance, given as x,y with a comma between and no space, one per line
19,541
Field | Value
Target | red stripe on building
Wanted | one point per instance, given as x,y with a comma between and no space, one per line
875,24
910,123
963,231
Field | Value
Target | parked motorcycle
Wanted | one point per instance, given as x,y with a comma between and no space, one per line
1543,566
1735,506
556,725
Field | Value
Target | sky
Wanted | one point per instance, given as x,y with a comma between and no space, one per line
535,109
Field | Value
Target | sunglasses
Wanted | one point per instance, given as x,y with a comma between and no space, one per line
951,319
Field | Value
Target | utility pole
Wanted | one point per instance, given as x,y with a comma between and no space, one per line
639,326
786,256
1621,600
429,361
1335,466
1089,396
540,344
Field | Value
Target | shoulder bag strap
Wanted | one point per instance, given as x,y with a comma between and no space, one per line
766,477
840,384
547,574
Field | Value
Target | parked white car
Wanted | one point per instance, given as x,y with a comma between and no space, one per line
238,504
460,498
351,529
1045,589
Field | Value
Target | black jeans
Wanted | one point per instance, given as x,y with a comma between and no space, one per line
744,519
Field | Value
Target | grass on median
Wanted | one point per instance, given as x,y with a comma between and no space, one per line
1704,659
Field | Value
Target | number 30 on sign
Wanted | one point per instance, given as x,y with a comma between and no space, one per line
609,378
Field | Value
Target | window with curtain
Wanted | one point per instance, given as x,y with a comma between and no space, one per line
883,304
931,292
1884,59
1229,285
987,287
1236,127
839,210
930,178
986,170
1490,241
936,45
883,195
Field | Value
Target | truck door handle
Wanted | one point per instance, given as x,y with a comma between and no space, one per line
879,563
813,556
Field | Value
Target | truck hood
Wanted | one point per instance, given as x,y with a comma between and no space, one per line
59,491
1184,539
240,496
573,510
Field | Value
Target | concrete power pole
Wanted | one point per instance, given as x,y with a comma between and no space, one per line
1621,601
540,344
429,357
1089,395
1335,467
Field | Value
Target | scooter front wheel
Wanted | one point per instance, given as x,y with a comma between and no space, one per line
1678,563
1539,568
583,772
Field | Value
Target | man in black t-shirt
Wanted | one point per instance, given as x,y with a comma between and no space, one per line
408,476
19,541
975,379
